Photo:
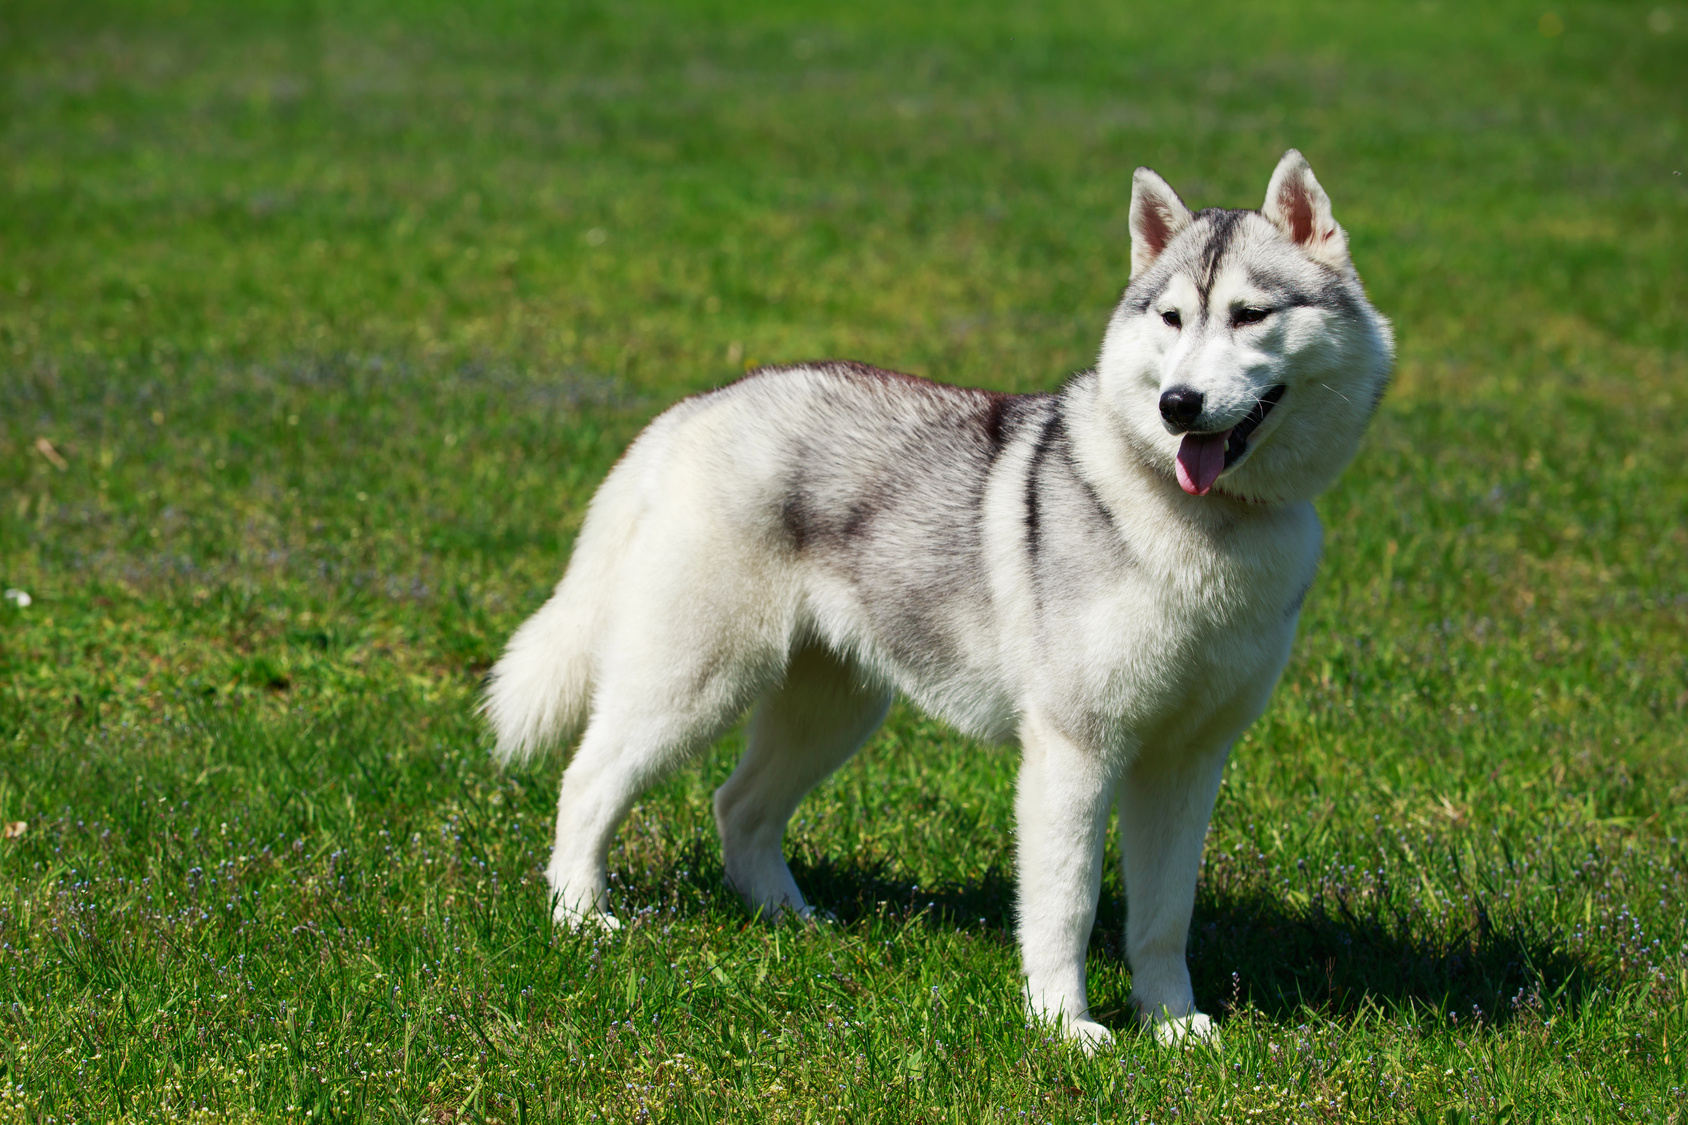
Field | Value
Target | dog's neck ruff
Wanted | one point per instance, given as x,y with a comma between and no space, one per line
1243,499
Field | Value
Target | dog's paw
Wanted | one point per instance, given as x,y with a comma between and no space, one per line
576,920
1081,1031
1088,1035
1187,1031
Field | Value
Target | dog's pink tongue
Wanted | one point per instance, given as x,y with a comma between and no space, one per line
1201,458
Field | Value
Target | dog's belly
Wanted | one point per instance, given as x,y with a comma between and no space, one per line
935,642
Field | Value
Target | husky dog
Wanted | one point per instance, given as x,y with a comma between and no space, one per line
1110,574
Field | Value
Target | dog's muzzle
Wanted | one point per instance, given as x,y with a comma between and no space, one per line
1237,443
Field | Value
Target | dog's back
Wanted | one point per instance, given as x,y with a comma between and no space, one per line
868,481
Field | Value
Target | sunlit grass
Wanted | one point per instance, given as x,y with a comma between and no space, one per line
319,327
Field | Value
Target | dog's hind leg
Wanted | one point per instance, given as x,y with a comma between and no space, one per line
645,722
806,727
1164,805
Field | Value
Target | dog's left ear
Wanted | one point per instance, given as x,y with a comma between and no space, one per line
1298,206
1156,215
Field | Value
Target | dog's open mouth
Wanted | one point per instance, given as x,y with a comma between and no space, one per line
1202,457
1237,443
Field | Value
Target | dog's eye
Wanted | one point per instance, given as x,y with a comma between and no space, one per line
1171,317
1249,315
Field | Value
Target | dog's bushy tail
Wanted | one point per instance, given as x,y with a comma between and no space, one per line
540,692
540,689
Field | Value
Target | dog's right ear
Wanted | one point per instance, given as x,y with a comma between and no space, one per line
1157,214
1299,207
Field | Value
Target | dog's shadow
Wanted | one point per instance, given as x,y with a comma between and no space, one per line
1254,949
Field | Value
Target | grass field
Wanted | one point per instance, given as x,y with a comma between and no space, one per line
320,323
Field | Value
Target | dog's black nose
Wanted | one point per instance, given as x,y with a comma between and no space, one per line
1181,406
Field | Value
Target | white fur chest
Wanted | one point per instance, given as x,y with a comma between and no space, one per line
1185,641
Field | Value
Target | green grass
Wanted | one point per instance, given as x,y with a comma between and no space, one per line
333,316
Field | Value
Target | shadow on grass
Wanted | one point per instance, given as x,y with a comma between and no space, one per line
854,892
1260,950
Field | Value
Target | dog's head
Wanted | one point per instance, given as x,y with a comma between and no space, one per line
1244,357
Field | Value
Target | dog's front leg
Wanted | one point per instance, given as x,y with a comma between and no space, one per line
1164,805
1062,813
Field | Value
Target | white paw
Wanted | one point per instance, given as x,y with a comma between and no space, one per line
1082,1031
591,919
1186,1031
1089,1035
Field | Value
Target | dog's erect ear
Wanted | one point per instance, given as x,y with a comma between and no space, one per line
1156,215
1298,206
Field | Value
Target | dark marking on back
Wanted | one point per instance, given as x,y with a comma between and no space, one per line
856,369
836,503
1040,450
856,519
996,419
807,524
796,519
869,371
